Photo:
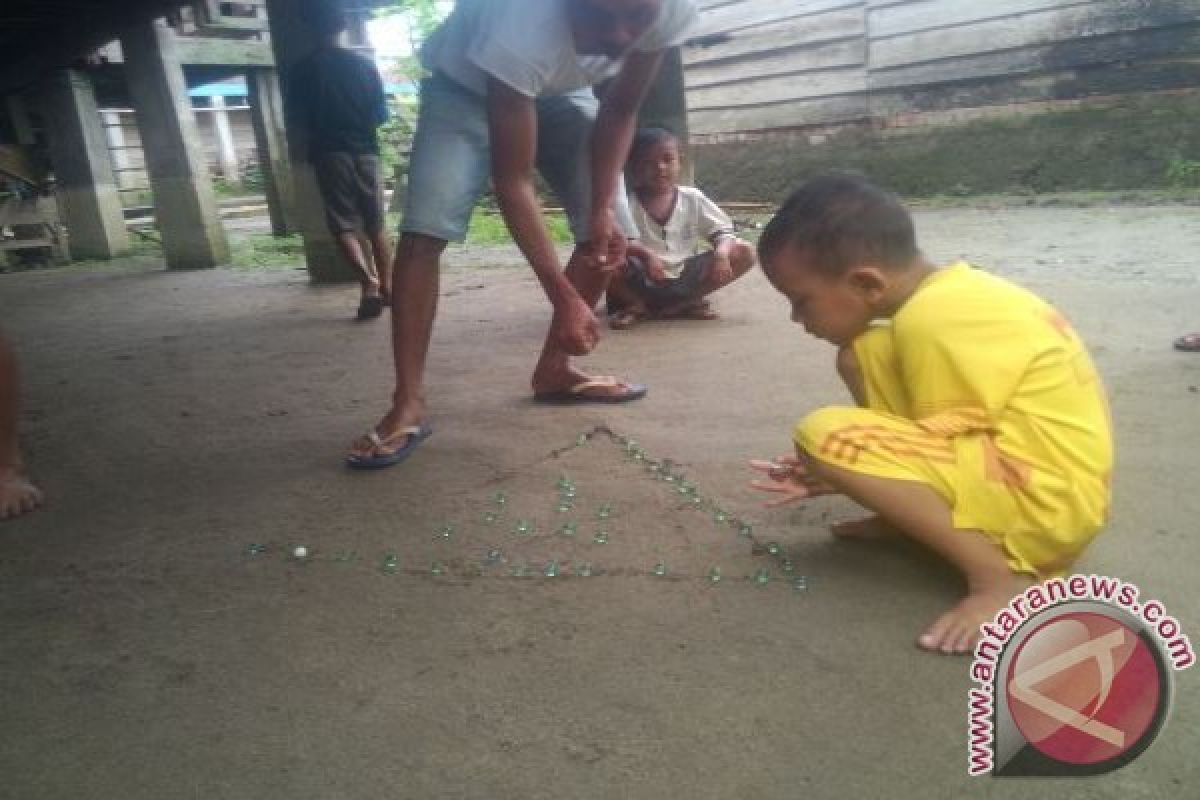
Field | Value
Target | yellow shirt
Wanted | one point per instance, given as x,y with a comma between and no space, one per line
977,353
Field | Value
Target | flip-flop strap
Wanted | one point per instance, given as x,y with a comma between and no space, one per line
377,440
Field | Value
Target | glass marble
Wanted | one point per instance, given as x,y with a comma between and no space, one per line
601,537
762,577
551,569
714,575
660,569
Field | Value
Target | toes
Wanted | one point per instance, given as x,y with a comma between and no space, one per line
934,637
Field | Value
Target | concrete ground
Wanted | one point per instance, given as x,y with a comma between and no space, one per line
175,419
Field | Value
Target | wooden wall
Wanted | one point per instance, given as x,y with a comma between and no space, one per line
761,65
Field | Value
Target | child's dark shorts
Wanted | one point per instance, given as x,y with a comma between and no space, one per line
352,192
687,287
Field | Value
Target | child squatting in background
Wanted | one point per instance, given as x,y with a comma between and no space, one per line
664,276
982,429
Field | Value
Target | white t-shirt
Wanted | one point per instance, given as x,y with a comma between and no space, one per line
694,218
528,45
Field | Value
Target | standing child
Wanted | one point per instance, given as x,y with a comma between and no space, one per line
338,97
982,430
664,275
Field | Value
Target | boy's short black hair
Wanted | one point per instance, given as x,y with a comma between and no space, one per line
645,138
839,221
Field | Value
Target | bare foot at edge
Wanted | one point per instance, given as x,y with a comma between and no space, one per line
867,528
956,631
17,496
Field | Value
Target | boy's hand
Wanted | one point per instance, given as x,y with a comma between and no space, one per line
722,270
656,271
788,477
575,328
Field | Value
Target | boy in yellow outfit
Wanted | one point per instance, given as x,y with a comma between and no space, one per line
982,430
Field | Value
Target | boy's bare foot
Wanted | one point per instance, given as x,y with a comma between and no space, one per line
17,495
956,631
626,318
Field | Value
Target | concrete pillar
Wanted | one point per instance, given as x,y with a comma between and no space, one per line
291,40
266,116
185,207
226,151
88,201
114,134
665,106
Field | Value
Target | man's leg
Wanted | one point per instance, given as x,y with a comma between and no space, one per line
564,135
17,495
447,172
415,274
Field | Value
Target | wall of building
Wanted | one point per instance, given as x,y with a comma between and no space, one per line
840,80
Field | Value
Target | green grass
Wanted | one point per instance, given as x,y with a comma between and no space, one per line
488,228
264,251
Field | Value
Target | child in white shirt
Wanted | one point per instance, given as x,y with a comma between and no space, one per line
664,275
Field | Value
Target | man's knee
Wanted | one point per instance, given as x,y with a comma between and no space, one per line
420,245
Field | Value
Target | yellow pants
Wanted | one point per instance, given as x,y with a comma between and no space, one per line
1025,511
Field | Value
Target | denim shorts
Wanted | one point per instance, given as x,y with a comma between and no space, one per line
450,165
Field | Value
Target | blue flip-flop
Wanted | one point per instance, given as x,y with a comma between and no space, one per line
416,434
578,393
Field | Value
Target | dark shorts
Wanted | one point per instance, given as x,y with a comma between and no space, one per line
351,190
689,286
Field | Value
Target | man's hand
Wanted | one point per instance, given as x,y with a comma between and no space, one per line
790,478
606,240
575,328
722,270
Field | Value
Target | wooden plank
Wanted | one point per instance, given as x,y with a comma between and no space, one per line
806,31
793,114
779,62
827,83
1105,80
935,14
755,13
1115,48
1027,30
